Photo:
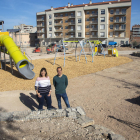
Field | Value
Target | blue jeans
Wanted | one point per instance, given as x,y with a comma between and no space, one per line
41,101
65,98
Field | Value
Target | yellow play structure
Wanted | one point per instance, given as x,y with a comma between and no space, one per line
8,46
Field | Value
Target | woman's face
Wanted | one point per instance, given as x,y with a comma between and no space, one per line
43,73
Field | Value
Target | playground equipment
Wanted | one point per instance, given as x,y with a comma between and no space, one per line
37,50
113,51
20,60
96,50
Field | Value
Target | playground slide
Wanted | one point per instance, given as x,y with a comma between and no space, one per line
22,64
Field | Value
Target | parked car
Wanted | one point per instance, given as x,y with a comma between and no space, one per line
138,46
126,45
104,45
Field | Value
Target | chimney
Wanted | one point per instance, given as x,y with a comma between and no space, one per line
52,8
90,2
71,4
68,4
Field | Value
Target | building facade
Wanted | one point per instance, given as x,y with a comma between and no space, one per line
104,21
135,33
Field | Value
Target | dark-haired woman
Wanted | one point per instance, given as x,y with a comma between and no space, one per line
43,89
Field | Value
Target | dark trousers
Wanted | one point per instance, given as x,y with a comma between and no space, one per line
41,101
65,98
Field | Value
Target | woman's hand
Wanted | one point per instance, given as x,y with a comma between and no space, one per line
39,95
49,93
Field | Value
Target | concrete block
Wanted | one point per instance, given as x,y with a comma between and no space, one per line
85,121
80,111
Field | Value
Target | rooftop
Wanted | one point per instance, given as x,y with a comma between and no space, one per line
136,25
13,30
88,4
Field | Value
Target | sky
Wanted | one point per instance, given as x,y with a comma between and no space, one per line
16,12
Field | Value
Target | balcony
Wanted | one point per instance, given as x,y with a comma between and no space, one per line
93,22
58,17
40,37
117,21
120,13
40,25
94,29
71,30
72,16
58,30
40,31
58,36
40,19
136,33
119,29
93,36
93,15
58,24
71,23
71,36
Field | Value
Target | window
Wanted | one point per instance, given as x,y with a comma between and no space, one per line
87,19
66,21
66,33
66,27
102,26
66,14
71,14
102,11
122,42
61,28
111,11
79,27
111,19
93,19
79,13
93,33
61,21
123,26
122,34
50,16
92,26
50,34
87,26
111,34
93,12
50,28
71,20
61,34
126,42
123,11
79,20
88,12
116,34
56,15
42,17
102,19
111,26
117,26
123,19
79,34
102,34
50,22
87,33
42,23
117,11
61,15
117,19
57,34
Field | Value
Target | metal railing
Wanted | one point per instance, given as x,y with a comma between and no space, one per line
71,23
93,29
93,22
120,13
93,15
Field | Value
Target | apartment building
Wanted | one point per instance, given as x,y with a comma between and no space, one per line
24,28
135,33
104,21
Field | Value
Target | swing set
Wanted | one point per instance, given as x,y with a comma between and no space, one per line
96,49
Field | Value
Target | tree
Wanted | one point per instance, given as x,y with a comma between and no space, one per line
134,43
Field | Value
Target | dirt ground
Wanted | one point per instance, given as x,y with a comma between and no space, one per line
111,97
72,69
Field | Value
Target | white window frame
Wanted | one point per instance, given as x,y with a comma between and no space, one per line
102,19
50,34
123,19
111,26
50,22
117,19
124,11
116,34
79,33
123,26
102,11
50,16
79,27
50,28
102,26
79,13
79,19
102,34
111,19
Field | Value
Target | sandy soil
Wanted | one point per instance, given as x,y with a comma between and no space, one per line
72,69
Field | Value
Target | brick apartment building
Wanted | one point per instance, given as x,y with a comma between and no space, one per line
135,33
104,21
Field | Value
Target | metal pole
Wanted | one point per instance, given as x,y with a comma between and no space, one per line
55,55
75,52
11,64
4,59
91,50
64,54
